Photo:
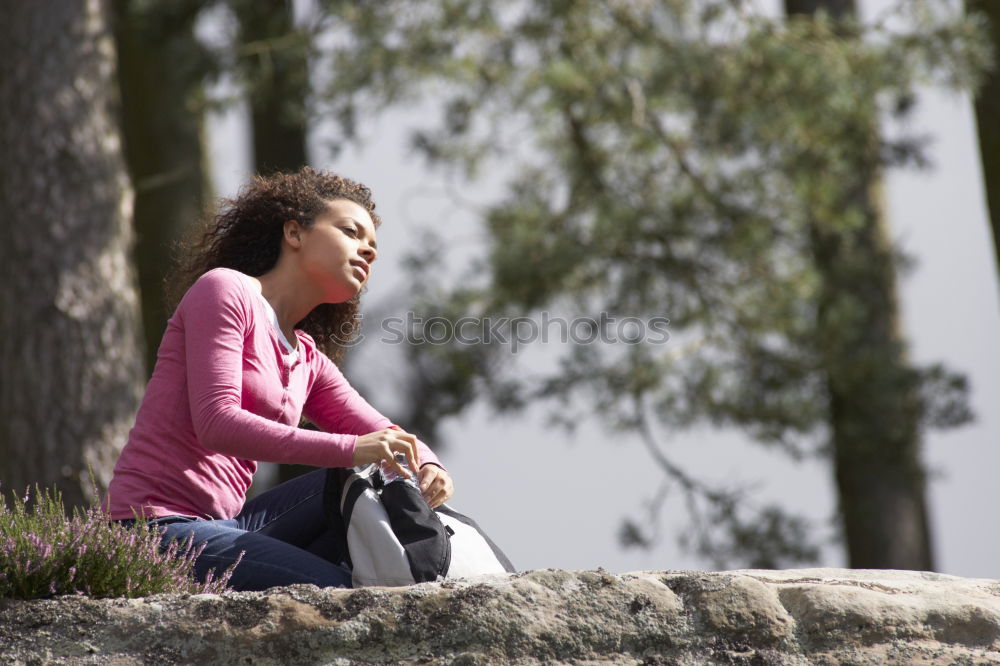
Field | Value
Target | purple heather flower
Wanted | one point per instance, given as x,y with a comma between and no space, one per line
43,549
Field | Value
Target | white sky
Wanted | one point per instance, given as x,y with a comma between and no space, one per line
554,501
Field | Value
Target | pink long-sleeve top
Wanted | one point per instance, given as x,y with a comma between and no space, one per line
225,395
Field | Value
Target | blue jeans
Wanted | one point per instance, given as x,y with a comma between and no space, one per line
284,532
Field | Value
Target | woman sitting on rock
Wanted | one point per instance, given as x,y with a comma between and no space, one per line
271,293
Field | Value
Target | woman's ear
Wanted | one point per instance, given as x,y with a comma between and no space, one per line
292,232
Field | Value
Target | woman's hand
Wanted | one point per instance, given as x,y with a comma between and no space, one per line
382,446
436,485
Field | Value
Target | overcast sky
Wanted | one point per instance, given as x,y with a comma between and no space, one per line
554,501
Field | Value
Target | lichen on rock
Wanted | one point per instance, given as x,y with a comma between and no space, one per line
810,616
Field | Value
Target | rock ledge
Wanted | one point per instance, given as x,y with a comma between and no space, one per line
807,616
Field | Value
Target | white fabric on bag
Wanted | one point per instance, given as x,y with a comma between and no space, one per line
378,557
470,554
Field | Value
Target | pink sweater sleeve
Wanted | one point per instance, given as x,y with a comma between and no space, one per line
216,316
334,405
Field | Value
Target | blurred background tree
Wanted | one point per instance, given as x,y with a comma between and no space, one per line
873,396
987,103
163,69
273,64
272,59
698,161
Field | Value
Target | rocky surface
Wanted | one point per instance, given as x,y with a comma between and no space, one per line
809,616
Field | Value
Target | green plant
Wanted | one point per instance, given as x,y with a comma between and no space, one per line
44,554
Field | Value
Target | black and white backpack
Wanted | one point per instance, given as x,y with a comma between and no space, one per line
388,535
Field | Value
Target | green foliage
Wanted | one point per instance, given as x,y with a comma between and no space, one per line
684,159
675,169
45,554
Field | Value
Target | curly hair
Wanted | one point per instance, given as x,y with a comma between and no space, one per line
246,235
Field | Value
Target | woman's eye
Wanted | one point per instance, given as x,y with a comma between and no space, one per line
351,230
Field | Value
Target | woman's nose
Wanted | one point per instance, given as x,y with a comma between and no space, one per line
368,253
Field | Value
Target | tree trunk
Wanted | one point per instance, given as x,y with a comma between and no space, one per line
276,65
836,9
874,400
277,71
69,315
161,67
988,119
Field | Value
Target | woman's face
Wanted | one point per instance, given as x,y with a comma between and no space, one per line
337,251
